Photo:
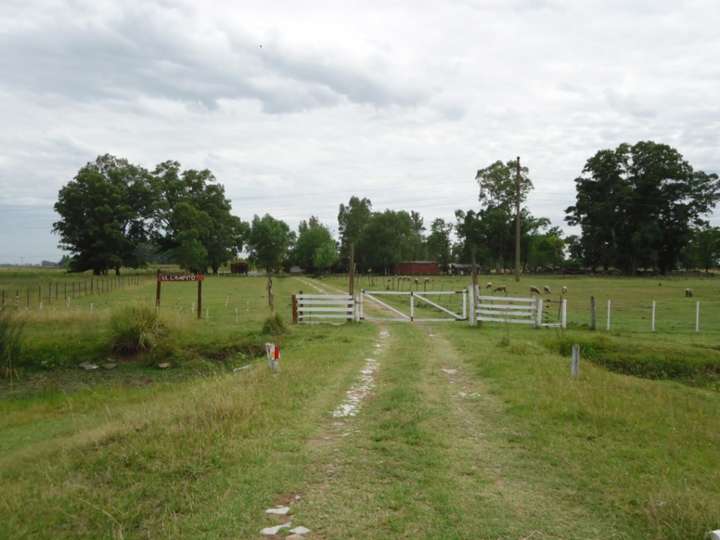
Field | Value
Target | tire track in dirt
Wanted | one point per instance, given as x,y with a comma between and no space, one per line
488,467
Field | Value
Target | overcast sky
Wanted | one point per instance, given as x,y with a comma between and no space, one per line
295,106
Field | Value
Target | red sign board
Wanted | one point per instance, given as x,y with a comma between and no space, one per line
181,277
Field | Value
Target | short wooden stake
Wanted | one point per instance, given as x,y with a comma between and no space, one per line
593,314
563,313
199,300
575,363
652,320
609,315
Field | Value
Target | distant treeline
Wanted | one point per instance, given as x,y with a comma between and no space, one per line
638,207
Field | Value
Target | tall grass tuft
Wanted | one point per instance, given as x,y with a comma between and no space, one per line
274,326
136,329
11,329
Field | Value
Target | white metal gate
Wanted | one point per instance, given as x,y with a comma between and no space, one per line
422,306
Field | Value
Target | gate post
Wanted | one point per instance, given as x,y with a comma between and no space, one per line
471,306
563,314
294,309
539,319
412,306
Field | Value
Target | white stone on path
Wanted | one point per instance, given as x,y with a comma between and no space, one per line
358,392
278,511
449,371
300,530
271,531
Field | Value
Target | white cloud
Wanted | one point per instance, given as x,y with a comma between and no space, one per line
399,101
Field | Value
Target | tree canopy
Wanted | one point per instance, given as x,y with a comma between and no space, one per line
637,206
105,215
268,241
115,214
315,249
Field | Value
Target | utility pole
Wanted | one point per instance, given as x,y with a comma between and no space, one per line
517,221
351,271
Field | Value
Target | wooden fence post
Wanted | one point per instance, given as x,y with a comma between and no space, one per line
157,290
593,314
563,314
697,316
199,299
294,309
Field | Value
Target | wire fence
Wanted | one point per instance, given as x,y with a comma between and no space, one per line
60,292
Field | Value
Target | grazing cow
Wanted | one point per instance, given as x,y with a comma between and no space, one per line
488,285
501,288
547,289
688,293
564,290
534,290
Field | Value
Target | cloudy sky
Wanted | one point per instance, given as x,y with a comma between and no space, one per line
298,105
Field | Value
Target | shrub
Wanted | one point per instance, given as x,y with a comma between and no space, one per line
274,326
136,329
11,329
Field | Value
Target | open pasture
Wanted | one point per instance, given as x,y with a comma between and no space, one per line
463,432
631,298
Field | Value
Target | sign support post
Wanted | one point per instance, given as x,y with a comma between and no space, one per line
180,277
157,290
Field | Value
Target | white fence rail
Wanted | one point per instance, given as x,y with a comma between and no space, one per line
319,307
308,308
513,310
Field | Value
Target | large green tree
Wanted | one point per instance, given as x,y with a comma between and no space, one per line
703,249
352,219
637,205
545,251
195,211
105,215
313,236
388,238
491,230
439,243
268,241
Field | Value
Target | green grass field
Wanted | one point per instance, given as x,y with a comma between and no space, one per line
466,433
